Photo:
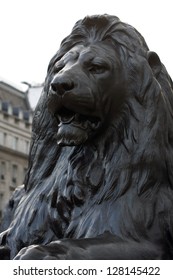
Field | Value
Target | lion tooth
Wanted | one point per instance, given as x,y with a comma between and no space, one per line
66,119
76,117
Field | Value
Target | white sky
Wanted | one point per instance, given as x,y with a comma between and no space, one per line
31,30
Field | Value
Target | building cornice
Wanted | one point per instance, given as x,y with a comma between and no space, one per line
13,152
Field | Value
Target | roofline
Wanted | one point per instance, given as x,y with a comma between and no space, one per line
15,89
12,85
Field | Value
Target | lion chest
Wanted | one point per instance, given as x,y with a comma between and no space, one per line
92,219
84,206
79,205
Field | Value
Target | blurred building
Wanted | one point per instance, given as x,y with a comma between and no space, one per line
15,133
34,92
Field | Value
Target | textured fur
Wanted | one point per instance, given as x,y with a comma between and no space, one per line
119,181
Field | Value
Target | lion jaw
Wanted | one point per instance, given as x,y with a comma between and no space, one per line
75,129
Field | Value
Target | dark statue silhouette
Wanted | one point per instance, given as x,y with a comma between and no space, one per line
100,178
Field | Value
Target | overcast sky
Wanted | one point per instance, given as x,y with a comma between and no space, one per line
31,30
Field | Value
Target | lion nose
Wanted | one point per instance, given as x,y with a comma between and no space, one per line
60,85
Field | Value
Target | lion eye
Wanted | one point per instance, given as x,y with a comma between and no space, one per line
58,66
97,69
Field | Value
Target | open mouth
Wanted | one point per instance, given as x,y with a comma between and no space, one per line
66,116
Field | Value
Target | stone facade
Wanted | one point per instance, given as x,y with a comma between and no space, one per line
15,134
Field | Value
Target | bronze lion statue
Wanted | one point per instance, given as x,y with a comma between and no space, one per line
100,178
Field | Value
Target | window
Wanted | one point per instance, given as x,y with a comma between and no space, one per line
15,143
26,115
5,139
27,146
1,198
16,111
24,173
1,138
14,174
5,105
1,202
2,170
27,125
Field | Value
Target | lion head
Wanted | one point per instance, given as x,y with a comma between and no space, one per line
87,81
101,152
86,90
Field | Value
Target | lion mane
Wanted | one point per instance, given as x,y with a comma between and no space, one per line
116,181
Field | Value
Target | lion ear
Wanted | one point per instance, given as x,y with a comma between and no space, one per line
154,62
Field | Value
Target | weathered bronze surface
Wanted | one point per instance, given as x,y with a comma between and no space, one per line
100,177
